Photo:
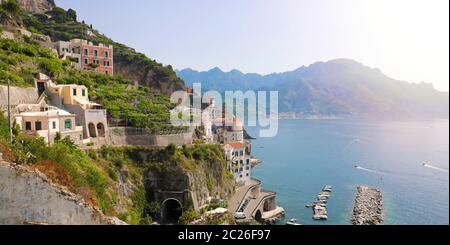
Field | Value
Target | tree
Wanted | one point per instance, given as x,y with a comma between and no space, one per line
72,15
171,149
12,7
59,15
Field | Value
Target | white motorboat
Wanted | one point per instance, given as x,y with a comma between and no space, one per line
292,222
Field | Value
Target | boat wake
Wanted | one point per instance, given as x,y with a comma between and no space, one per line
351,143
435,168
371,170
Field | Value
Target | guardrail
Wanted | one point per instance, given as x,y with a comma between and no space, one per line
269,194
251,187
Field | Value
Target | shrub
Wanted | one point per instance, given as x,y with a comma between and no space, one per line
28,150
171,149
4,130
52,67
12,7
188,216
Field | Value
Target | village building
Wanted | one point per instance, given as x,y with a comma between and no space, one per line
47,123
238,157
228,130
74,98
86,55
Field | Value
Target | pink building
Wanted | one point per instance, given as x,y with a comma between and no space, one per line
88,56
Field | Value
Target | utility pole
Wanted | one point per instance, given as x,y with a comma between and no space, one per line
9,112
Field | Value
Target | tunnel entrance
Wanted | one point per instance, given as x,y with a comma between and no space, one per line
258,216
171,210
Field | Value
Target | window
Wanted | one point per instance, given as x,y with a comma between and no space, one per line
96,53
96,62
242,153
105,63
106,72
68,124
247,174
74,92
248,161
86,61
247,168
106,54
86,52
83,92
241,162
54,125
38,126
28,126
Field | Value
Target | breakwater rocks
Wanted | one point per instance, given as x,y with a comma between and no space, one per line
368,209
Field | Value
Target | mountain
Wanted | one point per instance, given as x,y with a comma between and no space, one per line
341,87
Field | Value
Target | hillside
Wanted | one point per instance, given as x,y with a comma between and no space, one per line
342,88
43,17
135,96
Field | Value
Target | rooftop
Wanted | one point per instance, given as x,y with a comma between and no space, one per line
236,145
50,113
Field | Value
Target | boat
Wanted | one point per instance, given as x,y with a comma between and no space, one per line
309,205
292,222
327,188
320,217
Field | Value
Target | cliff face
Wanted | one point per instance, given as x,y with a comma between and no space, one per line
35,200
37,6
202,180
137,70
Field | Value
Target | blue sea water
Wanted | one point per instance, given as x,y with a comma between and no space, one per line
308,154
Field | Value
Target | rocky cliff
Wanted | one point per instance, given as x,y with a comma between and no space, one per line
37,6
202,180
29,197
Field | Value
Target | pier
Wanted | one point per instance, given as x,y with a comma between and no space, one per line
320,206
368,209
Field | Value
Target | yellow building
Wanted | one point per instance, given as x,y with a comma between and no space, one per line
75,99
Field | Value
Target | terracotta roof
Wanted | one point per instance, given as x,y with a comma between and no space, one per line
236,145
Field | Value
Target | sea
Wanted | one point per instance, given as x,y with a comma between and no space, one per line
407,161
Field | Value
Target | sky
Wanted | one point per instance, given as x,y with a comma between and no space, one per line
407,39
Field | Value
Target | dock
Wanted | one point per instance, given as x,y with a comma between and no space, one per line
320,205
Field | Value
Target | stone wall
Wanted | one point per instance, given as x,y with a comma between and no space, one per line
123,136
17,96
28,197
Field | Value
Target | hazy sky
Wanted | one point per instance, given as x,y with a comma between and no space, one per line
407,39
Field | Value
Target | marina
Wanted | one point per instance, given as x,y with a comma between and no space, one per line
320,206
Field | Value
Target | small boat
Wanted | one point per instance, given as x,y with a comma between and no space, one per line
292,222
327,188
320,217
309,205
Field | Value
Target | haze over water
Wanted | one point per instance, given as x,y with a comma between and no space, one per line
308,154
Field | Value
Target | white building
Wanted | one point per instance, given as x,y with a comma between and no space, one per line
47,123
238,156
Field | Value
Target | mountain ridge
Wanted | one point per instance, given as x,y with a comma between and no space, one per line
340,87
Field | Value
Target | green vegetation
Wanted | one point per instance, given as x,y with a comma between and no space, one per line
4,132
9,9
126,103
20,59
188,216
62,26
